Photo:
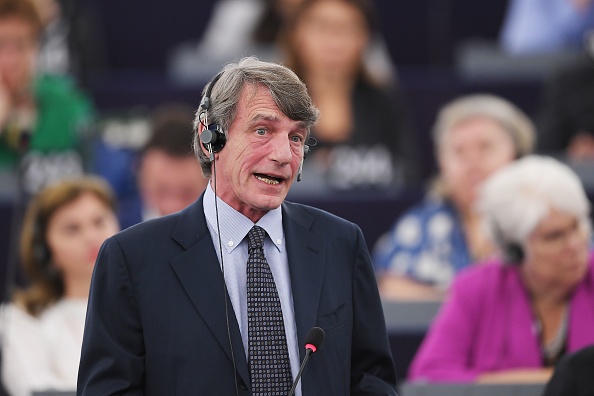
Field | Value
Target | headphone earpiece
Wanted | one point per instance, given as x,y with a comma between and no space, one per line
41,252
213,136
514,254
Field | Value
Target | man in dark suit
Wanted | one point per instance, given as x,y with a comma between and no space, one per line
573,375
171,309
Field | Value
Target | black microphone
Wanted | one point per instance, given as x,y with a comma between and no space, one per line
313,341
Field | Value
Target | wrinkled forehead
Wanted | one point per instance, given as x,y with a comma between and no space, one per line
260,103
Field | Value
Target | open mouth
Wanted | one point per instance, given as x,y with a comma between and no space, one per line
268,179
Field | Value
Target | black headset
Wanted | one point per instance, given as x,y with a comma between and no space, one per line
212,138
41,252
513,253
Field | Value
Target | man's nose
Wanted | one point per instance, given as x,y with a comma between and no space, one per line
280,150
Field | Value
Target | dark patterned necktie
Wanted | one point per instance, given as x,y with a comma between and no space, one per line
268,354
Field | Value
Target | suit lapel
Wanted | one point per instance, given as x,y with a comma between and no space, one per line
306,265
199,273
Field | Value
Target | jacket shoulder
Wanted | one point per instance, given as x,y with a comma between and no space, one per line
149,230
310,214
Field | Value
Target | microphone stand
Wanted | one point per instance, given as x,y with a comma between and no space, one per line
308,352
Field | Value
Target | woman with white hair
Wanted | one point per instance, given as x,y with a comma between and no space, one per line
474,136
512,319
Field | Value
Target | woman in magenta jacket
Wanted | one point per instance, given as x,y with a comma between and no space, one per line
510,320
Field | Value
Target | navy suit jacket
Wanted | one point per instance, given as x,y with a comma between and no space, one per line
157,322
573,375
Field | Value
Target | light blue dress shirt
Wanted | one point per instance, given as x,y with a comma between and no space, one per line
234,228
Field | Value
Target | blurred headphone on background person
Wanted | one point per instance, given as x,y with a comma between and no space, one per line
41,253
513,253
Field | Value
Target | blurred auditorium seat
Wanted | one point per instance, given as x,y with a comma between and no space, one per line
427,32
407,322
471,389
140,33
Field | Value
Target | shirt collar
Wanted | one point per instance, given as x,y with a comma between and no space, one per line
235,226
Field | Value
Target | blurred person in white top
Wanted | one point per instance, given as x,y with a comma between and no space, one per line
42,327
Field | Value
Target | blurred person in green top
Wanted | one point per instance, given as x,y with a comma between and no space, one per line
42,117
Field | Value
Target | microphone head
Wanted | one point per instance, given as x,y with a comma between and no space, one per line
314,338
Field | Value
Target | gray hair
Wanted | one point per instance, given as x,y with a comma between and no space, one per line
516,198
510,117
287,90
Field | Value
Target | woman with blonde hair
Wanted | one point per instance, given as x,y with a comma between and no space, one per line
474,136
64,227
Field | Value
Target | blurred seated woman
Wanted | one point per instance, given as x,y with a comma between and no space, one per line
512,319
64,227
474,136
363,133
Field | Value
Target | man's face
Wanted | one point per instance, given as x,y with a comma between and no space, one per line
18,54
169,183
260,160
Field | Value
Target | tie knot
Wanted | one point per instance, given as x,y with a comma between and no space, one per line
256,238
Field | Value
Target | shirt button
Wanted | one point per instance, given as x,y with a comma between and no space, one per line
230,243
278,241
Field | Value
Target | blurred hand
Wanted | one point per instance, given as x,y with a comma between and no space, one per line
515,376
581,146
400,288
5,106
